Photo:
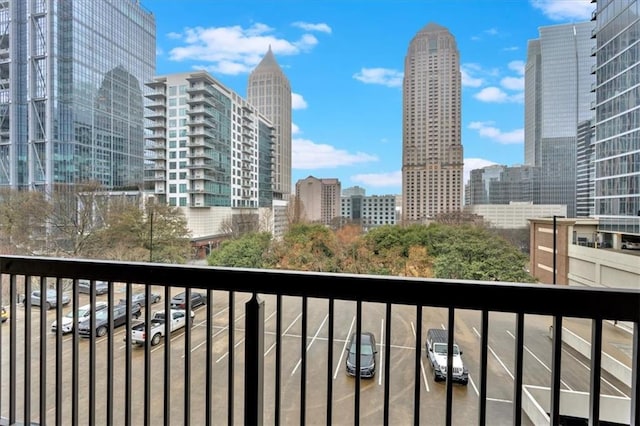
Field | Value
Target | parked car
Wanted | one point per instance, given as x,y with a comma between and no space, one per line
102,320
139,299
368,350
436,347
179,300
50,299
84,286
4,314
84,313
631,245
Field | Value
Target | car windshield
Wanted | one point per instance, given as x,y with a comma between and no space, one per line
365,348
101,315
441,349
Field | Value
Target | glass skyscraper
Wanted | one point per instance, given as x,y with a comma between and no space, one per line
72,98
617,115
432,158
558,96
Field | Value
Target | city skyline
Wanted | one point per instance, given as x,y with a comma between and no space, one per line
346,72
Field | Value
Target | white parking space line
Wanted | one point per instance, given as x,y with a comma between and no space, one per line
313,339
344,348
496,357
538,359
424,373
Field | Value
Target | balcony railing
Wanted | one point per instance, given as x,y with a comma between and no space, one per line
268,348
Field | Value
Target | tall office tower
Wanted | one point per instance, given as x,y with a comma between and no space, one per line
585,170
558,96
617,115
319,199
431,137
207,148
72,92
269,90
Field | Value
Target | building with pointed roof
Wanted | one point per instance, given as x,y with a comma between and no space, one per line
269,90
432,158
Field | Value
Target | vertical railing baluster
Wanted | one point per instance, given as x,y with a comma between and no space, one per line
92,350
254,361
556,370
416,367
208,405
450,341
59,360
356,405
635,382
329,413
303,365
43,358
186,414
167,359
13,344
75,355
27,347
128,394
596,371
278,365
387,365
110,354
484,346
147,359
230,368
518,369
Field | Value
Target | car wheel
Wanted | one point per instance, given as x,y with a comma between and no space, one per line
101,331
155,339
156,299
136,315
47,305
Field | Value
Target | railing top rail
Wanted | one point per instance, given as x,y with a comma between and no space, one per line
542,299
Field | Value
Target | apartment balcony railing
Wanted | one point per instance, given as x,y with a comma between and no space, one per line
242,366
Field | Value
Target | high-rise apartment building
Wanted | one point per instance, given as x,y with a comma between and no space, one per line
558,97
207,148
617,115
432,157
318,199
72,92
270,91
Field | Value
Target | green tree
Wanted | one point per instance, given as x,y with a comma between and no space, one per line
247,251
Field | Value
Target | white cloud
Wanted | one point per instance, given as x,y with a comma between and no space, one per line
295,130
468,80
297,101
517,66
513,83
323,28
496,95
234,50
487,130
511,49
384,76
306,154
564,10
473,164
379,180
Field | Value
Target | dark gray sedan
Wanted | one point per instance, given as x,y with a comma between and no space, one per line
102,320
368,352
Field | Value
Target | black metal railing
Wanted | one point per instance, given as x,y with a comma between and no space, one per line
199,377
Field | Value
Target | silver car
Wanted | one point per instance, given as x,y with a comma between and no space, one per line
50,299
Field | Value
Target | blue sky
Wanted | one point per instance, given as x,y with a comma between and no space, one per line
345,62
